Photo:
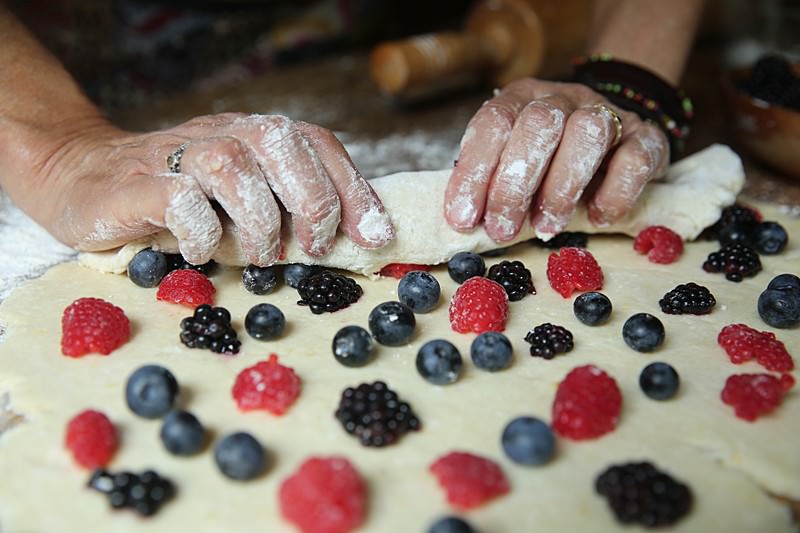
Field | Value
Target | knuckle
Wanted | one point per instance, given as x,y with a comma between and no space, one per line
593,125
540,114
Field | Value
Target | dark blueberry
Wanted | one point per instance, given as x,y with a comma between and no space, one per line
465,265
548,340
419,290
295,272
643,332
240,456
784,282
450,524
148,267
178,262
392,323
566,239
150,391
374,413
182,433
736,262
736,234
260,280
439,362
592,308
659,381
688,298
640,493
770,238
528,441
353,346
491,351
264,322
780,308
328,292
514,277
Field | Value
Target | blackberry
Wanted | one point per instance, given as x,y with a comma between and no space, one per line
514,277
145,493
640,493
566,239
736,261
744,218
688,298
210,328
465,265
260,280
373,413
548,340
328,291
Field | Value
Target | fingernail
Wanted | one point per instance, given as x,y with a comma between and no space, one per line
500,228
376,227
461,213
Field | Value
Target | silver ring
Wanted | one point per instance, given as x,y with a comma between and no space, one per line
615,118
174,159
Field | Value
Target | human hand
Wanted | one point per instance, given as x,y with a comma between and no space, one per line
112,187
533,149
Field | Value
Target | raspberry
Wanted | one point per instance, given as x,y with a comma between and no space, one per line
266,385
469,480
186,286
743,343
324,495
573,269
91,438
587,404
478,305
93,325
398,270
754,395
661,244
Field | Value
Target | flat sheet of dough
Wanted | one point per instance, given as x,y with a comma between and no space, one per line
730,464
688,199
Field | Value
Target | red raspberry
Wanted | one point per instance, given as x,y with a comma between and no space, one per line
324,495
743,343
478,305
398,270
266,385
573,269
186,286
753,395
469,480
661,244
93,325
91,438
587,404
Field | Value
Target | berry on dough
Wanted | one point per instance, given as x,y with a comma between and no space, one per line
743,343
479,305
267,385
661,244
186,286
755,395
92,325
587,404
573,269
469,480
92,439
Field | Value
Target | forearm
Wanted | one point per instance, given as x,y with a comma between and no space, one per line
654,34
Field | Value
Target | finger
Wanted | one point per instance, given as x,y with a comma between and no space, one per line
523,164
297,177
642,156
363,217
484,139
228,172
588,135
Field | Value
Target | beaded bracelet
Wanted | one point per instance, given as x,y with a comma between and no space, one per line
636,89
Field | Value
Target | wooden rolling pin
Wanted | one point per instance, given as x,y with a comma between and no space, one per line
502,40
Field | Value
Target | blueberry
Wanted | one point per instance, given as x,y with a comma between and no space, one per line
741,233
419,290
450,524
182,433
264,322
465,265
240,456
659,381
178,262
592,308
528,441
780,308
148,267
770,238
439,362
392,323
353,346
151,391
491,351
260,280
784,282
295,272
643,332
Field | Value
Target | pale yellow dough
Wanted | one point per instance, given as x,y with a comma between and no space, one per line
731,465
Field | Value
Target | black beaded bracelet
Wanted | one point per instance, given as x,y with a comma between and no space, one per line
636,89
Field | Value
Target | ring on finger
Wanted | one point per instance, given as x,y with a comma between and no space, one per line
615,118
174,159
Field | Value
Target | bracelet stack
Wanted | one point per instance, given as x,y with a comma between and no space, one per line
633,88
